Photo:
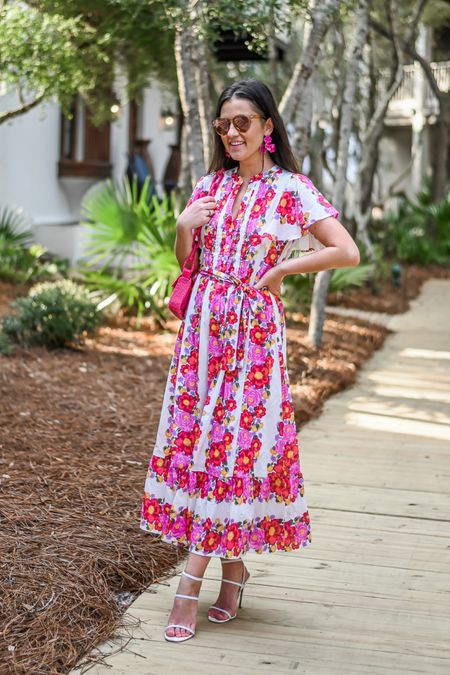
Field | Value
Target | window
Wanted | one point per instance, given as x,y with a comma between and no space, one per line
84,148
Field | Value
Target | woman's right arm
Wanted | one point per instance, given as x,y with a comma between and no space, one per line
195,214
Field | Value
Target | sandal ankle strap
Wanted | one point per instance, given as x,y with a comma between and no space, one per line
190,597
191,576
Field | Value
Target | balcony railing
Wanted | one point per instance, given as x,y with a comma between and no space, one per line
406,98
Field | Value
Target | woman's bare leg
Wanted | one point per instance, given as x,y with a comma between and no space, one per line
228,593
184,610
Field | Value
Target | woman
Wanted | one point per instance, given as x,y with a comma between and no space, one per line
225,475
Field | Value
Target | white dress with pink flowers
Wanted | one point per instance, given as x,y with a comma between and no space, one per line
224,477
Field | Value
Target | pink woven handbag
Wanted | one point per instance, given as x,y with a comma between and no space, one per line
182,285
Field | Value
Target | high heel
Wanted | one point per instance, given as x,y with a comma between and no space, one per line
182,638
241,585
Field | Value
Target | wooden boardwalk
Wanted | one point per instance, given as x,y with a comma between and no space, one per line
372,594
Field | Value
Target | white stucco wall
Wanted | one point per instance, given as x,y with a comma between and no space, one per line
29,154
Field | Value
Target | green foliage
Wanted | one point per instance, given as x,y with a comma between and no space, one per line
132,242
12,228
6,345
53,314
59,48
351,277
21,261
46,55
419,232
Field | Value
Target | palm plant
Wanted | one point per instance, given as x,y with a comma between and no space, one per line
12,228
132,246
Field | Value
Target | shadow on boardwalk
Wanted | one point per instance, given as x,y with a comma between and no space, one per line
372,594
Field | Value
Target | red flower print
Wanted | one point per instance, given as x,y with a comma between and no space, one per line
159,465
213,367
214,326
232,536
230,375
216,454
227,439
220,490
238,487
228,225
232,316
286,204
246,420
258,375
291,453
271,256
208,239
271,327
151,510
269,361
219,412
260,411
258,335
287,410
185,441
270,194
186,402
228,353
245,460
279,483
231,404
254,239
272,530
289,535
211,541
193,359
255,445
259,208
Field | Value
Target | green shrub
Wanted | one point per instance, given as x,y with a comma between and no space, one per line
5,344
53,314
419,232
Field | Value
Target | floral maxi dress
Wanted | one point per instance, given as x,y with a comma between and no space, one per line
224,477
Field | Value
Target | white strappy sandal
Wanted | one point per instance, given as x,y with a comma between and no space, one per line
241,585
182,638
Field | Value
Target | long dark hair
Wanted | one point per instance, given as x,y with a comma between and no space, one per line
263,101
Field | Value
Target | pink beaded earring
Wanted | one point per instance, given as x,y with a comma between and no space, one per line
227,154
267,146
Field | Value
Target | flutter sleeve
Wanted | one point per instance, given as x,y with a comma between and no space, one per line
201,189
310,205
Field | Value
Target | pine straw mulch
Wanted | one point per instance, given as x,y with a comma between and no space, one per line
77,432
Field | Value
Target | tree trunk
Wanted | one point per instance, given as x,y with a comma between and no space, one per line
442,140
322,17
322,281
194,89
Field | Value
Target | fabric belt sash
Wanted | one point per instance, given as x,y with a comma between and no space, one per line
248,302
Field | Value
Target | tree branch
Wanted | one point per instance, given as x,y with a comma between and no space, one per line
412,51
4,117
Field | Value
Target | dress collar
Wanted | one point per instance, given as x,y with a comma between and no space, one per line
262,175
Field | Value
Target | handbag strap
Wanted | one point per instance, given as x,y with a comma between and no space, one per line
189,262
